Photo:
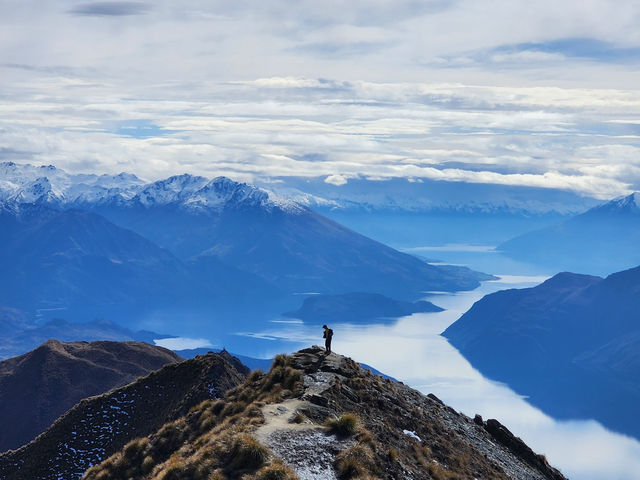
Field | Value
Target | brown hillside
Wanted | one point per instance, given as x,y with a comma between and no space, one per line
39,386
99,426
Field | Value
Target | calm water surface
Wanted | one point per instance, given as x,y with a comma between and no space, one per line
412,350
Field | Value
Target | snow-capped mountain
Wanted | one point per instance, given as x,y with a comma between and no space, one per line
628,204
108,241
26,183
198,193
424,195
55,187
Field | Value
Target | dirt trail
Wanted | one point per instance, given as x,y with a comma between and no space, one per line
306,447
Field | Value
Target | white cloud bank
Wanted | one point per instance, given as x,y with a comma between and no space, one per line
339,89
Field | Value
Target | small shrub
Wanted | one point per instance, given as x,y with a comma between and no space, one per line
298,418
276,471
147,464
291,377
231,408
280,360
246,454
392,454
354,462
438,472
255,375
345,426
217,407
135,448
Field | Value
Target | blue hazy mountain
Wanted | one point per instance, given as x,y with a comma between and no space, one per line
78,265
602,240
356,307
570,344
413,212
274,238
20,338
81,247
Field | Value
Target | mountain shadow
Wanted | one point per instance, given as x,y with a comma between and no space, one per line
570,344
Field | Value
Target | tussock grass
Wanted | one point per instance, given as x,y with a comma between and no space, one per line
212,441
246,455
345,426
356,461
276,471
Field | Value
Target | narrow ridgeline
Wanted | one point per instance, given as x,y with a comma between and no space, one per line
99,426
312,416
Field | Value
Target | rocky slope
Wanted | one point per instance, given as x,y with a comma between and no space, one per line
39,386
99,426
568,344
314,416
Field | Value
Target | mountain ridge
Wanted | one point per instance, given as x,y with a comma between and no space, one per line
293,422
567,344
98,426
39,386
599,241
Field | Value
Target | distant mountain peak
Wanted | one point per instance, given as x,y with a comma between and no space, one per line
39,190
223,192
628,203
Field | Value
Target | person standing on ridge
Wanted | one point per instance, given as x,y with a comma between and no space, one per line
328,334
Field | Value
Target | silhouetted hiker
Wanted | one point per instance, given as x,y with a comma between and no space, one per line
328,334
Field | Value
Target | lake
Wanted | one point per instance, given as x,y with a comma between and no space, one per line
412,350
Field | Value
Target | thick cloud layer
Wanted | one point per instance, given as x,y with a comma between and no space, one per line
504,92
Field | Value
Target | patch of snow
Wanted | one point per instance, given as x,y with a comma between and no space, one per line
412,434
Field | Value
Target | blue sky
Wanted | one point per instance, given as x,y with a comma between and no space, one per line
542,94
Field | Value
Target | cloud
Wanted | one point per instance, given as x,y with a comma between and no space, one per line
337,180
262,89
110,9
555,138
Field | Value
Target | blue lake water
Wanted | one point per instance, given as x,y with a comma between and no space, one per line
412,350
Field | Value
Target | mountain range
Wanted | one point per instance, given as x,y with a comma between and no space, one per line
417,212
600,241
85,246
198,419
25,336
569,344
39,386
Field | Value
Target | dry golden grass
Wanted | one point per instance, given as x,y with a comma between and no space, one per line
212,441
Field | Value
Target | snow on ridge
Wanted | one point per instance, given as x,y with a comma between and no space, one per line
170,190
25,183
632,200
47,184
